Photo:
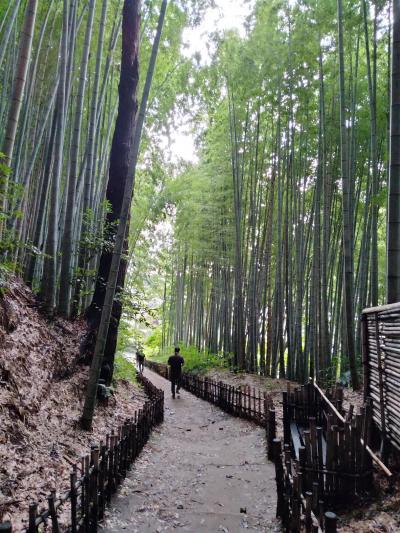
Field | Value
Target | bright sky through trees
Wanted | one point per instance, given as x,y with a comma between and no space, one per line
226,15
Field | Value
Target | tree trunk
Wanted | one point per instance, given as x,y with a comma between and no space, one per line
115,196
346,213
24,56
393,229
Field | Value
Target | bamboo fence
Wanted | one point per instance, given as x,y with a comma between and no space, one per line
258,407
331,449
97,476
381,362
299,509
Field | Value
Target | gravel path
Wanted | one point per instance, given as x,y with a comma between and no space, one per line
202,471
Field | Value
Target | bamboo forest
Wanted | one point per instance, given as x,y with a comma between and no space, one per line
199,266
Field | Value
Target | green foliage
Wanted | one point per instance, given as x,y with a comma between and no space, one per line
124,369
195,361
12,213
128,338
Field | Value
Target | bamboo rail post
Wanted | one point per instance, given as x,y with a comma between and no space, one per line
315,498
330,522
271,432
87,485
102,478
110,484
277,453
94,459
286,421
6,527
53,512
308,509
117,457
135,437
220,394
307,460
32,528
320,462
107,468
360,446
364,354
382,399
124,450
321,512
128,447
129,458
81,507
313,448
367,437
74,498
296,504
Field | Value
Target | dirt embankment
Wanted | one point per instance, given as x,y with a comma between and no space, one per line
41,395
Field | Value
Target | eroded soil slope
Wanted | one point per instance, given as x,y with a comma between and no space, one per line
41,394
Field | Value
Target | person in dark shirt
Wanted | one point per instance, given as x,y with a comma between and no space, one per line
140,361
175,371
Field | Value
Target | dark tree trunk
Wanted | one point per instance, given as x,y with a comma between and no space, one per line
120,162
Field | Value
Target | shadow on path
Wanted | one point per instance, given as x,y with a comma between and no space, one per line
201,471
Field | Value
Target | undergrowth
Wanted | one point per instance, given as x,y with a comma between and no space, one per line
195,361
124,369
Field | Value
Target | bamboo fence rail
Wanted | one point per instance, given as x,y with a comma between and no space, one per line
381,362
97,476
331,449
243,401
299,509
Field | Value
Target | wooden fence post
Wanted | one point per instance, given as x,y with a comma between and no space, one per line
271,433
286,421
32,517
220,394
94,459
330,522
74,498
53,513
364,354
277,457
86,487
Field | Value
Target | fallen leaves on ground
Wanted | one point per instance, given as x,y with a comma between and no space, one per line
42,388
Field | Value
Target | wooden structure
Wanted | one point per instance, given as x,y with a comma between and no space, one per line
299,509
381,362
97,476
330,447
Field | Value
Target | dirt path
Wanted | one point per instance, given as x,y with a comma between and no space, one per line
202,471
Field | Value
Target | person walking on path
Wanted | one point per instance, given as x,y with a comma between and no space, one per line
175,362
140,361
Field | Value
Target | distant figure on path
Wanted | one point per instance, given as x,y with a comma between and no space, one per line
175,372
140,361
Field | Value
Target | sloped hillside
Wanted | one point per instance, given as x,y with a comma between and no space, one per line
41,394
